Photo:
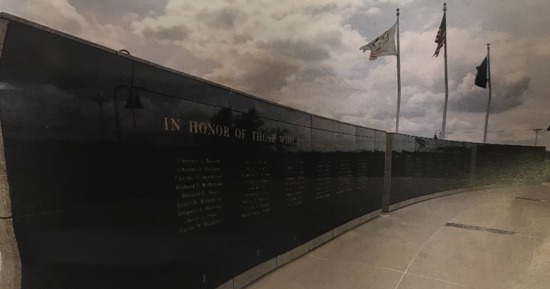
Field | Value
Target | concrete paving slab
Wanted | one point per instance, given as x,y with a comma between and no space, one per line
480,240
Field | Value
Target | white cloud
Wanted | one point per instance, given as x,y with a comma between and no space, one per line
58,14
306,54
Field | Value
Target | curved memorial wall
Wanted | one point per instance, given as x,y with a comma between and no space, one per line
423,168
118,173
503,164
126,175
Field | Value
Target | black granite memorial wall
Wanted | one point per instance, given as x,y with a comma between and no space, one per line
496,163
424,166
123,174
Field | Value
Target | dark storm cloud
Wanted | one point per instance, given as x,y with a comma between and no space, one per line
177,33
310,74
299,50
321,9
222,19
179,58
505,97
513,95
370,24
114,11
242,38
475,101
413,112
518,18
384,113
73,26
269,75
517,89
331,39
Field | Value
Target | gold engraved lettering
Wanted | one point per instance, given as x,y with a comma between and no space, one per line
193,126
172,124
208,128
214,129
203,128
240,133
287,140
226,131
264,137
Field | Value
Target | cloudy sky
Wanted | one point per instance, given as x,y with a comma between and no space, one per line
305,54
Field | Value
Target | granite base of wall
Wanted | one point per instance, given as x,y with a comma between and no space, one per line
413,201
10,263
257,272
10,260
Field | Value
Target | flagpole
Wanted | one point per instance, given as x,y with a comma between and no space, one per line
398,75
444,122
489,98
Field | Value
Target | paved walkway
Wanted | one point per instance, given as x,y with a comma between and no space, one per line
492,239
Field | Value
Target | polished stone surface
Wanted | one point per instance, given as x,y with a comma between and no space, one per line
118,168
502,241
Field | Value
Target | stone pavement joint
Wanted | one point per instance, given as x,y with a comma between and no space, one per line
483,229
415,256
530,199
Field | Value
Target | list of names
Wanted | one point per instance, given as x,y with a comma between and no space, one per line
198,185
345,176
255,177
294,183
362,174
323,187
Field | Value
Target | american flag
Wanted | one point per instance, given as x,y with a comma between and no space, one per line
441,37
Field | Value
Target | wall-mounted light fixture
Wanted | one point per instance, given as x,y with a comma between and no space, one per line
132,102
133,99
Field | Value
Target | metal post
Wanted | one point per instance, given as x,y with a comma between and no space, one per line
444,123
386,197
473,163
398,75
489,99
536,130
